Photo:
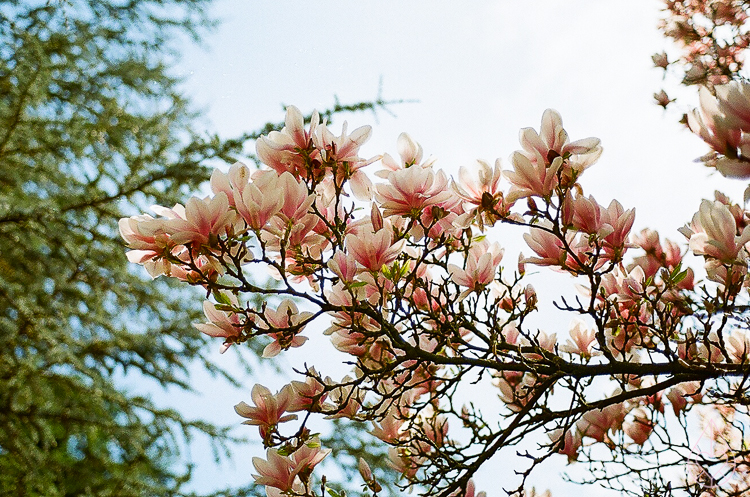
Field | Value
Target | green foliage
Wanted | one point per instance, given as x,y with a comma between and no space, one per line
93,128
92,123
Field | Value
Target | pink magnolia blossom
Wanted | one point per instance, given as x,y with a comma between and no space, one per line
611,225
472,492
343,338
365,471
346,399
232,183
342,153
410,153
658,255
734,103
276,471
480,268
625,287
226,324
404,461
553,252
286,473
256,203
150,242
516,389
308,394
433,426
390,429
549,248
145,235
542,340
532,178
373,250
582,341
552,137
720,122
291,148
639,428
738,346
344,266
307,457
598,422
204,220
587,215
552,142
268,411
621,221
410,191
713,232
680,395
485,197
296,197
285,324
572,441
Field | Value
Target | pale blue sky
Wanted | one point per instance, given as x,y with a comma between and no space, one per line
481,70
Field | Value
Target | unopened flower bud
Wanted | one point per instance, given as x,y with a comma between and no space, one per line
376,218
507,304
521,264
662,99
365,471
660,60
530,295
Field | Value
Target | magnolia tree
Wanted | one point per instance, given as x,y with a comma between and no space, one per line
400,269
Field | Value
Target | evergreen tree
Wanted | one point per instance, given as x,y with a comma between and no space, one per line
93,128
91,122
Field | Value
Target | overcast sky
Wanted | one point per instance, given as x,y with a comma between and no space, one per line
479,72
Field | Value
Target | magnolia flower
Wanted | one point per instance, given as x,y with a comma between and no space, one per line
286,473
713,232
403,461
587,215
255,205
532,178
410,153
308,394
286,150
341,152
391,428
275,471
346,398
738,346
720,122
296,198
640,427
488,202
268,411
285,323
581,341
150,242
373,250
482,261
571,441
548,247
681,394
551,143
598,422
204,219
410,191
232,184
221,323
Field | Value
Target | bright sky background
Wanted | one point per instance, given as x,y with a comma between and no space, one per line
480,71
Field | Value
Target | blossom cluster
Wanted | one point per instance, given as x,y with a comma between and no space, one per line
417,295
